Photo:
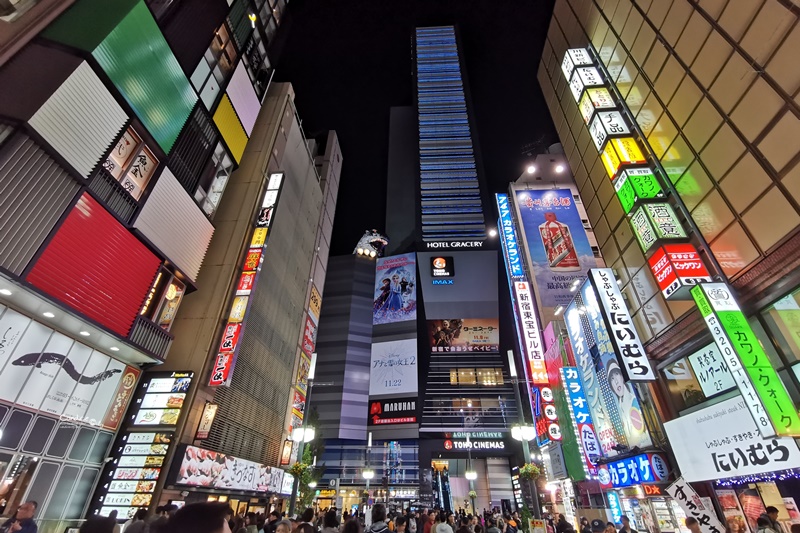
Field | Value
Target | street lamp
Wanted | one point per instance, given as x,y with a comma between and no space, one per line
368,474
299,435
312,484
523,432
471,475
303,435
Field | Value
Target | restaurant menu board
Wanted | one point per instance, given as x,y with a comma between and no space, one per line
138,461
162,401
52,373
138,455
206,468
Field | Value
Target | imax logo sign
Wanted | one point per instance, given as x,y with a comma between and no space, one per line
443,281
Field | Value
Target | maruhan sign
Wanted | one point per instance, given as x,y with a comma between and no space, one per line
453,244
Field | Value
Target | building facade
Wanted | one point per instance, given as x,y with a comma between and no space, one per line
115,159
696,101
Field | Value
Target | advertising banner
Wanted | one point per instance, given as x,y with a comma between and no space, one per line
723,441
622,333
618,395
225,360
581,418
465,335
636,470
393,368
767,398
531,337
677,267
394,411
206,468
315,303
508,236
559,249
693,506
309,336
711,370
395,295
585,349
206,421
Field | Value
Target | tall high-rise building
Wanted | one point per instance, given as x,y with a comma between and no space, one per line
145,163
418,371
450,191
677,119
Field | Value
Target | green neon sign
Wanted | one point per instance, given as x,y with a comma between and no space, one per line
762,389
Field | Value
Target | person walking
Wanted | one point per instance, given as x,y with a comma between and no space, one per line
22,521
764,526
563,526
378,519
626,526
329,523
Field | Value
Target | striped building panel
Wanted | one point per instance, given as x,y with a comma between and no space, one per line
34,193
81,120
148,77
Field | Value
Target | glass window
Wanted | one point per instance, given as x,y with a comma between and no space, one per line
216,65
682,385
132,163
783,321
223,167
490,377
466,376
487,377
734,250
163,300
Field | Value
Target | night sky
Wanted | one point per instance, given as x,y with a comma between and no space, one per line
350,61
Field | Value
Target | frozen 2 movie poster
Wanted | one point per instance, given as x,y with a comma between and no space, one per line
395,296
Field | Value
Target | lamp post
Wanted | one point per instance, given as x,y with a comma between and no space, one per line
524,433
300,435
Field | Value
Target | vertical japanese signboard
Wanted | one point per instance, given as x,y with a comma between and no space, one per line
692,505
677,267
762,389
581,418
633,361
508,236
222,371
531,336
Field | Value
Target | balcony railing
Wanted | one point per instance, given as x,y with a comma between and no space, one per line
110,192
149,337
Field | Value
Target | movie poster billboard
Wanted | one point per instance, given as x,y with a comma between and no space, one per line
464,335
618,394
557,243
395,295
393,368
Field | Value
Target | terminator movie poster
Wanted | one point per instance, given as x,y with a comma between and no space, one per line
395,296
464,335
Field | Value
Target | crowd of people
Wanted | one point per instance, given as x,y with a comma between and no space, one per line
217,517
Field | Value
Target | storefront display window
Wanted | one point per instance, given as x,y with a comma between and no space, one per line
163,300
132,163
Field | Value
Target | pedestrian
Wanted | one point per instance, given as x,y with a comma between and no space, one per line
250,525
430,519
167,512
626,526
610,528
771,516
272,521
283,526
765,526
563,526
22,521
353,526
329,523
305,525
137,524
598,526
378,519
203,517
463,526
693,525
585,527
401,524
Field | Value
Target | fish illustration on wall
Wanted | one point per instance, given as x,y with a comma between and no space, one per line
37,360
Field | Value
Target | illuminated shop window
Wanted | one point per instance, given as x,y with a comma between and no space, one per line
163,300
132,163
783,321
488,377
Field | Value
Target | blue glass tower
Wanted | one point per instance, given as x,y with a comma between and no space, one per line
450,193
